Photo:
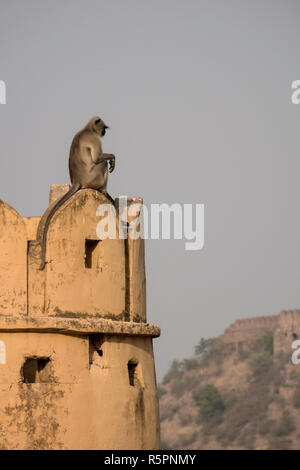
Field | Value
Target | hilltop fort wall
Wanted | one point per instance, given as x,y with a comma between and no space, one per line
285,326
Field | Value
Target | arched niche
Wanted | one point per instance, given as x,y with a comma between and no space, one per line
2,352
84,275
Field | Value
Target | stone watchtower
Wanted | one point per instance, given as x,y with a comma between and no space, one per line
76,358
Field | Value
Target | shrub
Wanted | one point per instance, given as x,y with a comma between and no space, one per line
164,445
260,363
192,381
294,376
186,439
178,387
266,342
296,399
174,371
209,402
189,364
168,412
247,439
202,347
285,426
279,444
244,415
265,426
185,418
243,354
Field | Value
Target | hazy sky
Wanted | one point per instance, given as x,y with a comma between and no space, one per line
198,98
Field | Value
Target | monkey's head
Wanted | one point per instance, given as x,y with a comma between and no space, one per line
98,126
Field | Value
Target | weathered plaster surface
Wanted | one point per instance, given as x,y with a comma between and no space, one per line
76,359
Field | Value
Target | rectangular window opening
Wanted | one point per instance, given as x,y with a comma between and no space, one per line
132,373
90,254
95,348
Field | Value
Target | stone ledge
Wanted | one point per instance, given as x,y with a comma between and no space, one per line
76,326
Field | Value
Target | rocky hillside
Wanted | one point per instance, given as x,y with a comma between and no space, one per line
232,396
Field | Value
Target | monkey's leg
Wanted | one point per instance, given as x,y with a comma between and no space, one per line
56,206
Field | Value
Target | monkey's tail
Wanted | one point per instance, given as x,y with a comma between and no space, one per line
52,211
108,196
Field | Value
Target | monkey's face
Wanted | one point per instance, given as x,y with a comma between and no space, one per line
100,126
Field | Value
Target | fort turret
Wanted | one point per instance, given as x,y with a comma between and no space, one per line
76,358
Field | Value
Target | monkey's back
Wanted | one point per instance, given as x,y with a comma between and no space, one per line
82,169
74,161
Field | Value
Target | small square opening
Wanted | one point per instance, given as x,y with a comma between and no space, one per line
36,370
90,253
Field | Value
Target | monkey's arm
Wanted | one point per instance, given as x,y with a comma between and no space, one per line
104,157
94,147
107,157
99,157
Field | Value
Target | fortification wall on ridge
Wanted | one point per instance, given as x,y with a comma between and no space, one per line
249,329
285,326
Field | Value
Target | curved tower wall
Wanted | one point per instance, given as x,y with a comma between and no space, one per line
76,358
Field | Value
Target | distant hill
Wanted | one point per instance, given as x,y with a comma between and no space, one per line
239,391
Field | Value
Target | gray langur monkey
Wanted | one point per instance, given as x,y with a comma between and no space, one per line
88,167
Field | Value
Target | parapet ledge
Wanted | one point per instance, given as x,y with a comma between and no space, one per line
76,326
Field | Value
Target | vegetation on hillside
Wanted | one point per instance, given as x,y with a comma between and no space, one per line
229,397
